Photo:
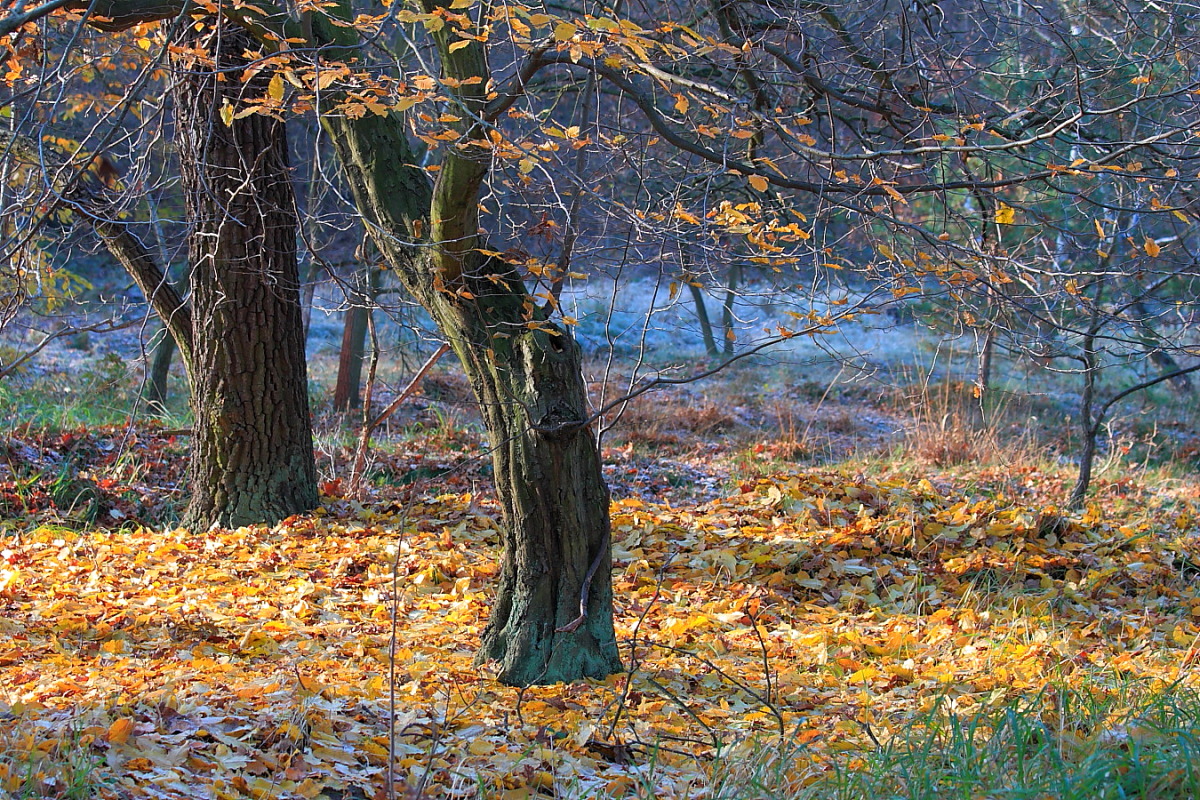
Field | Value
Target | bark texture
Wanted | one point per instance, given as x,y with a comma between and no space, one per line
252,458
555,503
528,381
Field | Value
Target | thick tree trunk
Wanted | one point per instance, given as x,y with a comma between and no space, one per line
527,377
252,458
556,569
552,616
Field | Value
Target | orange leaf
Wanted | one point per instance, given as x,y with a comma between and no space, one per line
120,730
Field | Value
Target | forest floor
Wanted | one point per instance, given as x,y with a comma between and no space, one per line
808,581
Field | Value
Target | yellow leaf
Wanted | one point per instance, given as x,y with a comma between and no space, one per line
459,45
538,20
227,113
481,747
275,88
1152,248
1005,214
758,182
681,104
120,730
563,32
526,165
462,4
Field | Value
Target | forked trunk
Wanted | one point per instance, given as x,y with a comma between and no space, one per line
252,457
527,376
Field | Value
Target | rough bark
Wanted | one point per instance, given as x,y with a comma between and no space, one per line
554,500
528,381
252,458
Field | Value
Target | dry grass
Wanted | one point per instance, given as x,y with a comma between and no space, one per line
675,419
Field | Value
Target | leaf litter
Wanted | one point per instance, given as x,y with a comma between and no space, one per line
817,605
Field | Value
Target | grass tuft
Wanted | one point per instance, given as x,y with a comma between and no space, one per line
1070,744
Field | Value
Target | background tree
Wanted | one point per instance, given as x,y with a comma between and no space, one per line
804,139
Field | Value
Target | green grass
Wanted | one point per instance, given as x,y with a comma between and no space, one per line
62,769
103,393
1074,744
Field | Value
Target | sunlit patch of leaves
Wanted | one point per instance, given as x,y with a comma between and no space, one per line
849,617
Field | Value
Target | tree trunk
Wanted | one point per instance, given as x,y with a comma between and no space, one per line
555,508
552,617
346,392
1089,420
688,277
727,318
252,457
983,375
527,376
155,393
706,331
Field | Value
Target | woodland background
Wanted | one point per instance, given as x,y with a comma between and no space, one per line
886,317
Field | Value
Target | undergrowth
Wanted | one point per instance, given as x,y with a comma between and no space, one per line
1114,742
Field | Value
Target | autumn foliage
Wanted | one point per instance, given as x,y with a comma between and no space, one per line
814,607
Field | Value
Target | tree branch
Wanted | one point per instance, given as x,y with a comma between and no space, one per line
17,15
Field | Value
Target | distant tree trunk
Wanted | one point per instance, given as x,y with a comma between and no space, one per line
252,457
155,393
727,320
987,350
688,277
347,391
706,330
1089,421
